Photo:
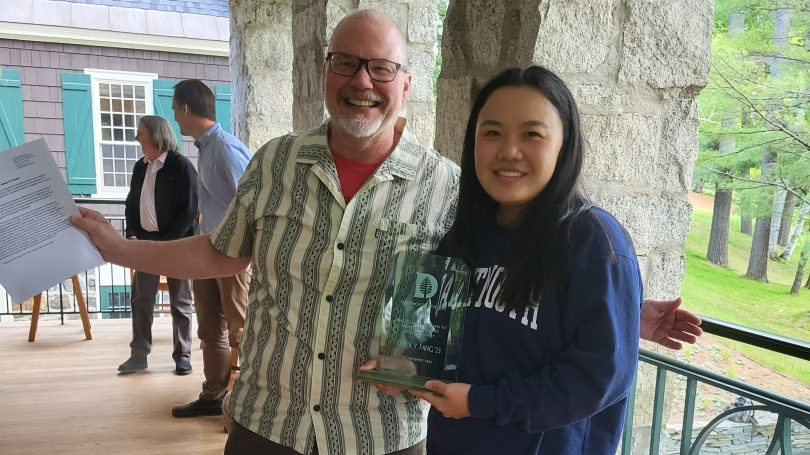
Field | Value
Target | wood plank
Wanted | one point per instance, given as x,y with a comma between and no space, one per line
63,394
77,291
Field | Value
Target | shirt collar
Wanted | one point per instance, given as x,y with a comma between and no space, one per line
206,136
161,158
402,162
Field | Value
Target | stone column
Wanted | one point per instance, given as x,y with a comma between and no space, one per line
635,67
313,22
261,69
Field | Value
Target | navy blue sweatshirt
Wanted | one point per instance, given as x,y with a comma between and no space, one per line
553,380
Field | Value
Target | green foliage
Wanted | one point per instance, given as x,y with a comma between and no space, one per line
756,99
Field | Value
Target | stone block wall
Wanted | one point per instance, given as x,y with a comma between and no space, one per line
277,54
634,66
261,70
731,438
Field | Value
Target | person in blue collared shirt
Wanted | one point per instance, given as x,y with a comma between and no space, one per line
219,302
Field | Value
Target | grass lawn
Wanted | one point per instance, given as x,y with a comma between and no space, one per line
725,293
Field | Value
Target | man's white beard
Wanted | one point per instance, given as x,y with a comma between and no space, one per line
356,126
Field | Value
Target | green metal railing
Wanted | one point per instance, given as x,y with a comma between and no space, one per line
788,410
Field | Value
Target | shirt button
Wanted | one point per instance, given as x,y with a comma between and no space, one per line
329,298
340,246
321,356
316,408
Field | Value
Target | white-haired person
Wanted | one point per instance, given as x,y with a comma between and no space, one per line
161,205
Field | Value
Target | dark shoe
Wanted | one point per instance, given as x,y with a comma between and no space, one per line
132,365
183,367
199,408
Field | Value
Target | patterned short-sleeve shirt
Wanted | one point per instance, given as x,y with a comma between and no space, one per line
314,306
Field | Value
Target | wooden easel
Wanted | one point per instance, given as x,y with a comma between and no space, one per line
77,291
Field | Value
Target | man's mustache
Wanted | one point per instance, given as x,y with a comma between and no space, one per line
363,96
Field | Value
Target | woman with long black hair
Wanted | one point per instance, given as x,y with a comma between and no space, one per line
551,334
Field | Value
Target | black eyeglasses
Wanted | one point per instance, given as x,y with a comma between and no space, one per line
378,69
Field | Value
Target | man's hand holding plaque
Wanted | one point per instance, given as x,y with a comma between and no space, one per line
422,320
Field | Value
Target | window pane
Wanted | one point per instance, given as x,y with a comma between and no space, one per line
115,90
108,165
105,104
129,106
106,151
117,106
105,119
106,134
118,120
118,134
119,151
120,166
109,180
104,89
130,166
140,107
129,120
132,152
140,92
129,134
127,91
120,180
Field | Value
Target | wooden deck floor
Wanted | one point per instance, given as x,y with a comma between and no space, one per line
63,395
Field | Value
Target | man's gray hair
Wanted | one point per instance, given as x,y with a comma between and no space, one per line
379,16
161,132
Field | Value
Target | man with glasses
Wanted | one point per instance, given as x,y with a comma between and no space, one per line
320,213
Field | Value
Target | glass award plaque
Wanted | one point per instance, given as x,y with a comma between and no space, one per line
422,319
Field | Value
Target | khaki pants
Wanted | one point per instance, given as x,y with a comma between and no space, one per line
220,304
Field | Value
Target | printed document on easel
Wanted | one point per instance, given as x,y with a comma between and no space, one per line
39,248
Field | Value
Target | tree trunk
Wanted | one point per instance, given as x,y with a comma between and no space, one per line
758,259
736,24
745,206
787,220
807,285
718,238
699,186
781,35
797,281
779,195
797,232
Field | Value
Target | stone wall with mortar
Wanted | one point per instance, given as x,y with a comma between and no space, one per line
261,70
732,438
634,67
277,55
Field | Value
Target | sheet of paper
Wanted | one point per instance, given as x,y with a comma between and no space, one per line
39,248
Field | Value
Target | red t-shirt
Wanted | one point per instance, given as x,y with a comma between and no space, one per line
352,174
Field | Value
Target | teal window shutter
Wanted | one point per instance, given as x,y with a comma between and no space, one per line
80,146
223,94
163,90
11,109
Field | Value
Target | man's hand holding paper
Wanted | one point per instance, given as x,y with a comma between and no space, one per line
38,246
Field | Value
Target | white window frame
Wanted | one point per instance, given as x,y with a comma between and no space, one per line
98,76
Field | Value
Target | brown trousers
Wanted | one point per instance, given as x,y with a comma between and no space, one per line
220,304
242,441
